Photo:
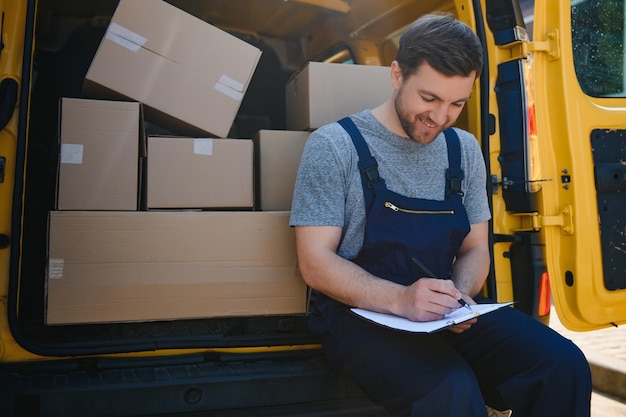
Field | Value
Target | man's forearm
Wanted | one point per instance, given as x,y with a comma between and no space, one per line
350,284
470,270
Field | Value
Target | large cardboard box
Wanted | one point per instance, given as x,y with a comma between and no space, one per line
139,266
322,93
278,154
190,75
199,173
98,155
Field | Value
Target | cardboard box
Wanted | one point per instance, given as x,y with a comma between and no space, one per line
199,173
190,76
323,93
140,266
98,155
278,154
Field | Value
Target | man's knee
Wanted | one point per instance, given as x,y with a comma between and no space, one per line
566,360
453,391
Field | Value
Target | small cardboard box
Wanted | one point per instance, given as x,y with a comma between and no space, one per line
98,155
190,75
278,154
323,93
199,173
141,266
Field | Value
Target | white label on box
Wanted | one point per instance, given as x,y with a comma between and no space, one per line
232,88
203,146
71,153
125,37
55,268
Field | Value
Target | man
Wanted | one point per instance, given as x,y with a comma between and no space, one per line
386,198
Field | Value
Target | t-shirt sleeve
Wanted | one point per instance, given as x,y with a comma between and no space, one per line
320,188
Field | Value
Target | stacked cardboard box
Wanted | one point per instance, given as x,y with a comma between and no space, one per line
278,155
199,173
141,266
99,155
189,75
323,93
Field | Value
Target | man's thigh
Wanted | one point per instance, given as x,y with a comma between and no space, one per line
402,370
519,361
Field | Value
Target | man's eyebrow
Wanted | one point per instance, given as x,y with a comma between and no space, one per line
436,97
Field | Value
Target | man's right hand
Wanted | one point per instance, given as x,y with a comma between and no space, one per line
429,299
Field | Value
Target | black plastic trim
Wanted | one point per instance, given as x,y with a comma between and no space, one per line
296,384
8,100
487,123
514,158
607,147
506,21
527,267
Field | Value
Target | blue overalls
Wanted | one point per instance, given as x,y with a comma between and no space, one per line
441,374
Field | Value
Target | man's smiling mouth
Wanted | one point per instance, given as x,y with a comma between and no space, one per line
426,123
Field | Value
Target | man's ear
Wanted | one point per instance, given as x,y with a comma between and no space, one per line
396,75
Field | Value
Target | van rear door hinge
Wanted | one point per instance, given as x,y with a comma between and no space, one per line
523,49
550,45
533,222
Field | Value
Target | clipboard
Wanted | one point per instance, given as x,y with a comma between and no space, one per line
400,323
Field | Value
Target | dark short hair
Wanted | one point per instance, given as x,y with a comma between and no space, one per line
448,45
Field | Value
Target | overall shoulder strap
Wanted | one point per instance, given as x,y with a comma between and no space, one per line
367,164
454,174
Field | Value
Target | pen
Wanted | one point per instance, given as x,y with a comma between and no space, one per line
431,275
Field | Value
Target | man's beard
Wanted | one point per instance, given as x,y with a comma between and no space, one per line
409,126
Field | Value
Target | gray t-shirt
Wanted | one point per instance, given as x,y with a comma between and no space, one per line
328,190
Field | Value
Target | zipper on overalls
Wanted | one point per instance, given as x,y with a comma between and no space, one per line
403,210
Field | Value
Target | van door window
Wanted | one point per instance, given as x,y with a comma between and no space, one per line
598,30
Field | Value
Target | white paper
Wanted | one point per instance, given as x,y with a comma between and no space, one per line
400,323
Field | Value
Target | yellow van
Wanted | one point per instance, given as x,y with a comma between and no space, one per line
549,111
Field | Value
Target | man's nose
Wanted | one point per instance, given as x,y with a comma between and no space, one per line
439,114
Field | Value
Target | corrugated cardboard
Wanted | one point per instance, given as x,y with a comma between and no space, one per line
322,93
98,155
191,76
199,173
278,154
140,266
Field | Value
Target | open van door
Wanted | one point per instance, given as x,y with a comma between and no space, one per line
12,46
579,72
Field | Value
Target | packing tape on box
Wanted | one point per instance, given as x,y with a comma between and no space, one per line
125,37
232,88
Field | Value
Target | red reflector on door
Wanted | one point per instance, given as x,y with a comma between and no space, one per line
544,295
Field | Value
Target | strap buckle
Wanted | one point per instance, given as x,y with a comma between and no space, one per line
369,167
454,179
